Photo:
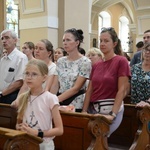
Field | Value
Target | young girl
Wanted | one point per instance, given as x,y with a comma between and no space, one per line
37,108
59,52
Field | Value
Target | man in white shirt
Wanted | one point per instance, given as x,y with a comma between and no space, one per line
12,67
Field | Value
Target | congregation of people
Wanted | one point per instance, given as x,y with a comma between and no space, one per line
37,80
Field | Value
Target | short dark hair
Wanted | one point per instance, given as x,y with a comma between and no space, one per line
140,44
147,31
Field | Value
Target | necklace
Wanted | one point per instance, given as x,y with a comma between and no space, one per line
31,101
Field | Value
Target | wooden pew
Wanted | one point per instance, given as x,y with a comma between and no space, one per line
125,134
79,129
8,116
142,138
17,140
82,132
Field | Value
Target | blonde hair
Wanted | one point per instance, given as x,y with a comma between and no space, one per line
95,50
23,98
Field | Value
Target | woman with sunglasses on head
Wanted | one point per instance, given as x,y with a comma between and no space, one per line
109,81
72,71
140,79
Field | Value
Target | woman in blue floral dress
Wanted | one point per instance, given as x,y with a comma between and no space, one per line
140,80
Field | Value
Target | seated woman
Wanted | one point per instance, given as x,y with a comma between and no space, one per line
140,79
72,71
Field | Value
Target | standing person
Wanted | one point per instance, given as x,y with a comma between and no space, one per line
28,50
137,56
139,45
11,67
43,51
72,71
37,108
109,81
140,79
59,52
94,54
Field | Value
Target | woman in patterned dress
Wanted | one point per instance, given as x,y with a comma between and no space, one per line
72,71
140,79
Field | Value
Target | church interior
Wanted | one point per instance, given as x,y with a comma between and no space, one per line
48,19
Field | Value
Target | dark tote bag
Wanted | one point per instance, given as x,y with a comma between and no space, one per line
69,100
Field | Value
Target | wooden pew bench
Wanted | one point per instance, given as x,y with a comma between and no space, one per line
142,137
80,129
125,134
16,140
83,131
8,116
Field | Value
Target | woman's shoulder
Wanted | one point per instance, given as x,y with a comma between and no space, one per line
84,58
49,96
137,66
64,58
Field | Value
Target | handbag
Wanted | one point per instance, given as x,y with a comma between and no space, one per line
69,100
103,106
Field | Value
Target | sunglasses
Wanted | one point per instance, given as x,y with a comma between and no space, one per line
107,29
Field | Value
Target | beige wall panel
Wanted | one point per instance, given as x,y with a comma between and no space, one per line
77,15
143,24
33,35
53,37
30,9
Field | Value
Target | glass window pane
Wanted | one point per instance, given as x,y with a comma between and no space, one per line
11,15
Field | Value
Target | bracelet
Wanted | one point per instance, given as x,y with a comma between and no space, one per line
112,114
1,95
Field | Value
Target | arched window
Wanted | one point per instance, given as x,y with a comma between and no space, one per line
104,20
124,34
11,15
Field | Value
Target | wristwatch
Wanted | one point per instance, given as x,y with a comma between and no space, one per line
40,133
112,114
1,95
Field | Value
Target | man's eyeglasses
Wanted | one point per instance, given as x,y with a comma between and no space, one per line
31,75
146,37
146,50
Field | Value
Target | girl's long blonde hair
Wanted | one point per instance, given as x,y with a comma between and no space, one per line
24,97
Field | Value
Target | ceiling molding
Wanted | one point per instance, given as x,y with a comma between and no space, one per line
138,6
142,20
